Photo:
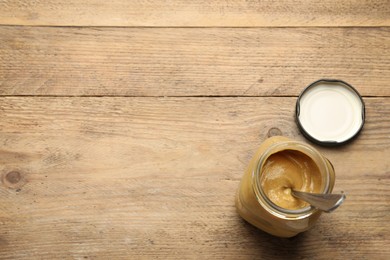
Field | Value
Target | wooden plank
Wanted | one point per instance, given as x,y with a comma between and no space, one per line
196,13
117,177
190,61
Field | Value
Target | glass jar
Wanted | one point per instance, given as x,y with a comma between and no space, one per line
256,208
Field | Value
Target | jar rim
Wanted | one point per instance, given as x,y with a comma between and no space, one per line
270,206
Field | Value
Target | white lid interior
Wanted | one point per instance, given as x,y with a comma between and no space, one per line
330,112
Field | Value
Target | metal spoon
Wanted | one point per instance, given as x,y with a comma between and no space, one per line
324,202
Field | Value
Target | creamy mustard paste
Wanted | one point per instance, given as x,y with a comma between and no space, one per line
286,170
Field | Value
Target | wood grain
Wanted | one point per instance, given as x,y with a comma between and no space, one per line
190,61
117,177
196,13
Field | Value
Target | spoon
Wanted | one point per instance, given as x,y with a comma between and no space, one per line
324,202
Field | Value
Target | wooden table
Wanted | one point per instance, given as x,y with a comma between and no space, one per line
125,126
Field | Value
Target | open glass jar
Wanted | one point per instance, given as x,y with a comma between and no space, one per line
258,209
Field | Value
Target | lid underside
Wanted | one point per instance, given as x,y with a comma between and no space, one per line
330,112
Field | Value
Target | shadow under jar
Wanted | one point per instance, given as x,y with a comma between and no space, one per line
264,196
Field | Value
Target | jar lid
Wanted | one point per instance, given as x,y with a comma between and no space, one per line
330,112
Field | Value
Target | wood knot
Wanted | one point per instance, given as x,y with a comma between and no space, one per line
13,179
274,131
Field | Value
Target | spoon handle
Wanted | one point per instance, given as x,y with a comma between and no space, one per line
324,202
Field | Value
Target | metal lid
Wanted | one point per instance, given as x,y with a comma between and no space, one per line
330,112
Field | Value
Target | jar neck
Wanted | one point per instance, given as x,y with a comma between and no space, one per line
271,207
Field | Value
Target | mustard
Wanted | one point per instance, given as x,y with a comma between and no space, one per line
288,170
264,196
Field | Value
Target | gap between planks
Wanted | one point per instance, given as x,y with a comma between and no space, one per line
170,96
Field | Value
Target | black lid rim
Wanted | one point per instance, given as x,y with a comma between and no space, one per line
328,143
